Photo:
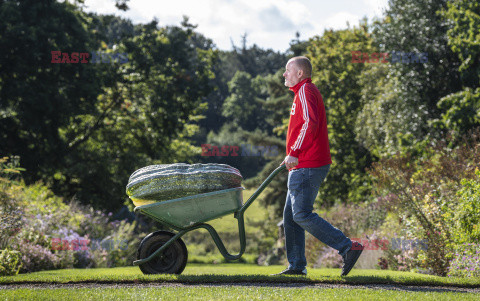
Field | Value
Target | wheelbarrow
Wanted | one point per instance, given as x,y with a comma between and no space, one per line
164,252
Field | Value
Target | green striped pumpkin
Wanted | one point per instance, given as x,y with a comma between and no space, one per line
156,183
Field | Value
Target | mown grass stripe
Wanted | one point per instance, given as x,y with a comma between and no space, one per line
234,273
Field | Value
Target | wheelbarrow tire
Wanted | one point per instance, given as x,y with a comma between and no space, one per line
171,261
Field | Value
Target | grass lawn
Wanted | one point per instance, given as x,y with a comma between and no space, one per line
226,293
234,273
224,275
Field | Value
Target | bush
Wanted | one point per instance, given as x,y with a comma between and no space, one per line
329,258
10,211
33,219
399,259
466,261
422,192
466,217
466,230
354,220
36,258
10,262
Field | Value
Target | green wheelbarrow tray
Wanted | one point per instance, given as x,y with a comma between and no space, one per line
191,212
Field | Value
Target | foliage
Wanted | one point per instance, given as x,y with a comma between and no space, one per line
387,122
110,29
329,258
338,79
356,221
463,36
49,234
400,259
420,191
401,98
83,128
243,106
466,217
38,97
251,112
247,158
10,262
10,212
461,111
36,257
466,262
278,103
252,60
269,241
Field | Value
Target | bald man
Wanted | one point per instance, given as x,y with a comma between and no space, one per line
308,161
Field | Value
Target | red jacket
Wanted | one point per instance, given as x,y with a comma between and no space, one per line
307,136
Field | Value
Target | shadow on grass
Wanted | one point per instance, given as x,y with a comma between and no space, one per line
402,282
251,279
325,282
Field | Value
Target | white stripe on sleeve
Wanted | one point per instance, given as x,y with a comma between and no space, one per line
303,131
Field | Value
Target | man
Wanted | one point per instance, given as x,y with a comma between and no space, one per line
308,161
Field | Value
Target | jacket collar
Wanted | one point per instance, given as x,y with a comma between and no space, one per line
300,84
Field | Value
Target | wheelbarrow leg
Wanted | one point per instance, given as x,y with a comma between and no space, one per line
218,241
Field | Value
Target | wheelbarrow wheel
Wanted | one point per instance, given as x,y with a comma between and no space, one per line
171,261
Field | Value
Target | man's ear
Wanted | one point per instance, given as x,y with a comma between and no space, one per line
300,73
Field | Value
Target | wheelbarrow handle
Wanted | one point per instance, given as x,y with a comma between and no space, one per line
261,188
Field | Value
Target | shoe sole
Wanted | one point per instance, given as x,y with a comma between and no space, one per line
288,274
285,274
354,262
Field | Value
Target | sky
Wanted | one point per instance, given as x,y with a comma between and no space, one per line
267,23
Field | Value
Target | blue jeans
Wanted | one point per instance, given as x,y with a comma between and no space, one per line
303,185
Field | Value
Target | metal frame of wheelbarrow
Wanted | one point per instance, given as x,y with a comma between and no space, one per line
216,238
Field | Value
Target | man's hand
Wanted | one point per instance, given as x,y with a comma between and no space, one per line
290,162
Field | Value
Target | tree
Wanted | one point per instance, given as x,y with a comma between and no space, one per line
253,60
109,29
39,98
461,110
401,111
463,37
278,103
84,128
243,107
298,47
338,79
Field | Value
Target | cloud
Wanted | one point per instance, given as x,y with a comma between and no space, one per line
273,20
339,20
376,7
268,23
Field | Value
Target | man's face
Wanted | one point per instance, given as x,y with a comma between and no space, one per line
292,74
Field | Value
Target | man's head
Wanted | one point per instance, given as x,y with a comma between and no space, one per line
297,69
